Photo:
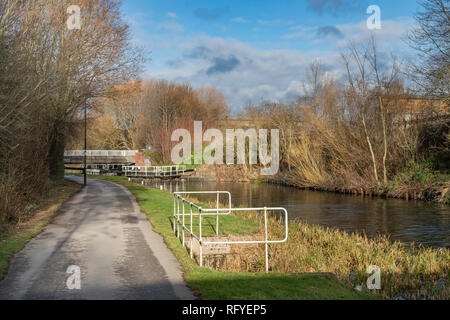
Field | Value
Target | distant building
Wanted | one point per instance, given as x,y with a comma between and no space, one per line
414,108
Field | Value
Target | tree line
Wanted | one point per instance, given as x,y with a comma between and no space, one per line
383,128
142,114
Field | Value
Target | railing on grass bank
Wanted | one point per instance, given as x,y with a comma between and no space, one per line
154,171
180,214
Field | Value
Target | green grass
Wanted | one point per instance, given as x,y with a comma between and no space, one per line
227,285
420,181
14,237
216,285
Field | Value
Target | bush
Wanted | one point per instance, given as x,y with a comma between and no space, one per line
416,174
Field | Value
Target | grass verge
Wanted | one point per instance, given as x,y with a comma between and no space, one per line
229,285
14,237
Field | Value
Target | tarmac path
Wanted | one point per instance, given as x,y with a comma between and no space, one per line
101,233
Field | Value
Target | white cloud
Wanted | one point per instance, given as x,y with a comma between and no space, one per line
300,32
244,72
391,33
171,15
239,20
276,22
170,27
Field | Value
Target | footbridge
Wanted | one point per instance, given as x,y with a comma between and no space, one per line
101,157
130,163
100,162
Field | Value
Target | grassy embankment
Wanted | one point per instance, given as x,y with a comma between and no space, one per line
229,285
14,237
417,181
420,181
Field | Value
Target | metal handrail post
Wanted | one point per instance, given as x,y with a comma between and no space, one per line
217,221
183,224
201,238
174,213
178,218
266,238
192,231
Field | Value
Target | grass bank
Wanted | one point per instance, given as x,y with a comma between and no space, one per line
230,285
13,237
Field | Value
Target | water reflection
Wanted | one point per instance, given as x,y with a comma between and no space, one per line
407,221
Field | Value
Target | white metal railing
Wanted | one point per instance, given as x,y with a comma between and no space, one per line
143,171
100,153
100,168
180,221
105,166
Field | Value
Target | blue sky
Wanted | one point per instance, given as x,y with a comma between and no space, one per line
257,49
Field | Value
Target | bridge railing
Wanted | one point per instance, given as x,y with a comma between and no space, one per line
179,214
100,153
104,168
143,171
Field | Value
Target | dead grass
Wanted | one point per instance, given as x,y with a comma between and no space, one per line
413,272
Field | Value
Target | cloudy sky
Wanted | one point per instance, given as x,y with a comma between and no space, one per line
258,49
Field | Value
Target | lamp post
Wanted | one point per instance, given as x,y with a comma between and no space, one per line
85,142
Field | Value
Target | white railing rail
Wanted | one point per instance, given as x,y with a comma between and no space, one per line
140,171
100,153
215,212
179,213
105,166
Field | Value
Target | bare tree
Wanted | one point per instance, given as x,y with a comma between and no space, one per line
431,38
371,84
359,93
314,81
384,82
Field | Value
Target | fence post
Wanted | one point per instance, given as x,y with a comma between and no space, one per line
217,221
174,211
178,218
183,223
266,244
190,228
201,238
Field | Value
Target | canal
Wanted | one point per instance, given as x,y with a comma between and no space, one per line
405,220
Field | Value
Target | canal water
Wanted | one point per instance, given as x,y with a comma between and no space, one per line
407,221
